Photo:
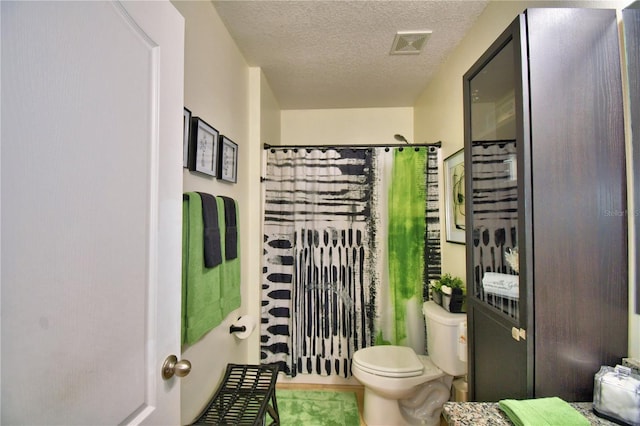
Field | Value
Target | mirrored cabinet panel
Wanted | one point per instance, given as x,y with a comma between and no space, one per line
492,93
493,173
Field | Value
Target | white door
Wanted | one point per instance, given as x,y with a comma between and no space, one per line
91,178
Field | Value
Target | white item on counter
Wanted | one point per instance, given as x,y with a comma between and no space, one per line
617,394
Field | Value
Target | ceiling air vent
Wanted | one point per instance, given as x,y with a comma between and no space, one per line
409,42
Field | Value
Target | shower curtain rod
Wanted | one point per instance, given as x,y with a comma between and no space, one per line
437,144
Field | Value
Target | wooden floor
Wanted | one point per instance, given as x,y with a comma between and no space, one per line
357,389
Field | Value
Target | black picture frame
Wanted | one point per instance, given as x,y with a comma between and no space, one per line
186,132
203,147
454,197
228,160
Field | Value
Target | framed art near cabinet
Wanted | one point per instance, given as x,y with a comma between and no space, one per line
203,147
228,160
454,197
186,127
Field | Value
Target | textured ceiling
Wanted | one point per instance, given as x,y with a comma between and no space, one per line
335,54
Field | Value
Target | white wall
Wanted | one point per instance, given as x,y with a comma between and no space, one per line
349,126
222,89
439,110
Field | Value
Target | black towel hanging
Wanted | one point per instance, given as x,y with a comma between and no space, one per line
212,246
231,229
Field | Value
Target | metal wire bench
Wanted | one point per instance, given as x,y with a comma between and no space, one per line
246,395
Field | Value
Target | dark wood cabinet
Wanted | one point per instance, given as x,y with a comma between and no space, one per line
546,209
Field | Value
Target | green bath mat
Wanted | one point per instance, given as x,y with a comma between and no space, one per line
317,408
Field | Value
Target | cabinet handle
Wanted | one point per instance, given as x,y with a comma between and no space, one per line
518,333
515,333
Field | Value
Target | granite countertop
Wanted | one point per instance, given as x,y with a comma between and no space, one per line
489,414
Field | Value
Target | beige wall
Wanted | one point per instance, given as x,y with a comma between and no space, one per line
438,112
350,126
221,88
270,119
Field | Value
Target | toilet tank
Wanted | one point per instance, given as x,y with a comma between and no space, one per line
444,343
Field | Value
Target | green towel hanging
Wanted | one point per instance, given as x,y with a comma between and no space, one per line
208,294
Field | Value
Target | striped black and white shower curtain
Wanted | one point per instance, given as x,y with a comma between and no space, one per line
351,239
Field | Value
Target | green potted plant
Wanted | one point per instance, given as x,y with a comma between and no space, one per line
453,293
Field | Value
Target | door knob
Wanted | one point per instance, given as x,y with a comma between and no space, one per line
173,367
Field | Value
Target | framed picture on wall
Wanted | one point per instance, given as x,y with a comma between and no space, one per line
186,127
454,197
228,160
204,147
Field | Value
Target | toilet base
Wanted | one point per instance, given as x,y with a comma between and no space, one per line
379,411
423,408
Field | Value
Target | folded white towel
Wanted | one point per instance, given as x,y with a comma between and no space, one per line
501,284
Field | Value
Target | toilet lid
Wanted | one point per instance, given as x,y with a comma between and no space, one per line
391,361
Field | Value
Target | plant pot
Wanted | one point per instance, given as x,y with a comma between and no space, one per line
456,303
446,301
436,296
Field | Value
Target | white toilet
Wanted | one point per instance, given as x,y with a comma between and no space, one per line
402,388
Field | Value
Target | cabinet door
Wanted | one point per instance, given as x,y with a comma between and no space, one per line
578,198
495,222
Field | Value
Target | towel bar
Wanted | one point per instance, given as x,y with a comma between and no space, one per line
247,393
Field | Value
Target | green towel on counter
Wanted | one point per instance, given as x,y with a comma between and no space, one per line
551,411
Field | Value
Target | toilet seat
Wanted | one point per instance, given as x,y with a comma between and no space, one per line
389,361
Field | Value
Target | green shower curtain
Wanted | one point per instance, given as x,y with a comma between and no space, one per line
407,199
